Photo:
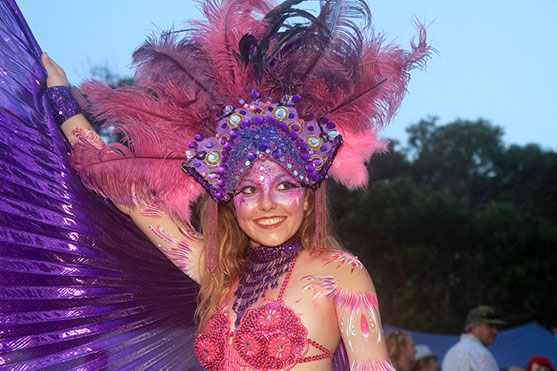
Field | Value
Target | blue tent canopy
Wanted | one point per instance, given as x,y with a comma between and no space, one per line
513,346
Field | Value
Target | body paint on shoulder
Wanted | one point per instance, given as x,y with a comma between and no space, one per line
377,365
361,306
340,258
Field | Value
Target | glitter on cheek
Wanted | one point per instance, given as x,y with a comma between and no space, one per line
295,196
242,201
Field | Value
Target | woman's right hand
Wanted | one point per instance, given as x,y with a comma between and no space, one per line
55,74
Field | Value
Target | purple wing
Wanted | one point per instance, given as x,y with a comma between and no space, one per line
80,285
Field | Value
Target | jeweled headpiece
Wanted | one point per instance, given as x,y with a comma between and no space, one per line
193,100
262,130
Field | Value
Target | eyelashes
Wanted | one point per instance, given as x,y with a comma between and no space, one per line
248,190
285,186
282,186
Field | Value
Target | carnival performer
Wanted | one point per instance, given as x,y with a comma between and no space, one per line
265,102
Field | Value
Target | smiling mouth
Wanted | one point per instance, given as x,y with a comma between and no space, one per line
270,222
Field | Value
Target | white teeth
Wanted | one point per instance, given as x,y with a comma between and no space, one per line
270,221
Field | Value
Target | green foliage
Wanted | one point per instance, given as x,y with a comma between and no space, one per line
453,220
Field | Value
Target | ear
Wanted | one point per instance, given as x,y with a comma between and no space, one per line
473,328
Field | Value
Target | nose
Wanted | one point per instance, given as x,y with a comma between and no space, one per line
266,201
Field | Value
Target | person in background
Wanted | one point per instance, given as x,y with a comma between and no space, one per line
400,347
425,359
539,363
470,353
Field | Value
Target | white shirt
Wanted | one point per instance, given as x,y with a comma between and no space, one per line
469,354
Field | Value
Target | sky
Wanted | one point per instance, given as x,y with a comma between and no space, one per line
497,59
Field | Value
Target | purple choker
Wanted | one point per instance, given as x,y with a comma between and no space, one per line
264,268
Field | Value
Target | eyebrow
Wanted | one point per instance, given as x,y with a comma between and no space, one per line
283,177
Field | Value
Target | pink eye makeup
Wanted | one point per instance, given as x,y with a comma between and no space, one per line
269,204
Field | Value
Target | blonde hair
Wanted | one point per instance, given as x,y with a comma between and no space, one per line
231,254
395,341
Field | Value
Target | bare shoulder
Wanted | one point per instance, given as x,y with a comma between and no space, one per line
344,267
341,277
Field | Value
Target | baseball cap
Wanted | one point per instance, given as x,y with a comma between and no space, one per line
484,314
423,351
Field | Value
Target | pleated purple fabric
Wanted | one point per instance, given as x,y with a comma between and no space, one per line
80,286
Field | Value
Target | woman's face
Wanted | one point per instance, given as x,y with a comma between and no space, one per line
269,204
408,350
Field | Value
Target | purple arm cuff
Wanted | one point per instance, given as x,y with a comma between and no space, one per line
62,103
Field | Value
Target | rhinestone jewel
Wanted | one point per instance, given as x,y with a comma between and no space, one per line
313,142
213,157
333,133
234,120
280,113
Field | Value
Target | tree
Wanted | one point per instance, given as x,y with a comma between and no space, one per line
453,220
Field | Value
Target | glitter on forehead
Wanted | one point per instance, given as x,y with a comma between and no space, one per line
266,176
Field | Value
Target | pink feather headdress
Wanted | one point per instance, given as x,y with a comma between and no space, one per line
184,80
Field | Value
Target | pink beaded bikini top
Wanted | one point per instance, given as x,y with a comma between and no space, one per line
270,336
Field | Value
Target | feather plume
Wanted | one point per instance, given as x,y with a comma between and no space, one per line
132,179
228,21
167,60
157,125
339,66
354,154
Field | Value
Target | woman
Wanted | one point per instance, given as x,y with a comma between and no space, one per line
276,290
320,294
401,349
539,363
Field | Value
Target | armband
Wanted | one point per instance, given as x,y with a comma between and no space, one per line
62,103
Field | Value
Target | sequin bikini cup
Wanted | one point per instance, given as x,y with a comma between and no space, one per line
270,337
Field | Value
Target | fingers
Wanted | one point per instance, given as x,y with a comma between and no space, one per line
55,74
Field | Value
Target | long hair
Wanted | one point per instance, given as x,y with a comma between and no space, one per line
395,341
231,254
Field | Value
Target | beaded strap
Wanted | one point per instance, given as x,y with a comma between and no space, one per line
287,278
62,103
326,354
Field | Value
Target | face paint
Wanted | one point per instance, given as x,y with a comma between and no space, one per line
269,204
358,308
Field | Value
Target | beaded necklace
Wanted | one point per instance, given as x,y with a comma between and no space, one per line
264,268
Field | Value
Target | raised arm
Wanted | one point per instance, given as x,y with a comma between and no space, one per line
76,125
178,241
349,286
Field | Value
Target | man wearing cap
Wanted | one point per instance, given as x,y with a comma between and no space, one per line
470,353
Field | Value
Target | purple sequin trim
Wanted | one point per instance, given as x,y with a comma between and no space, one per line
62,103
264,268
